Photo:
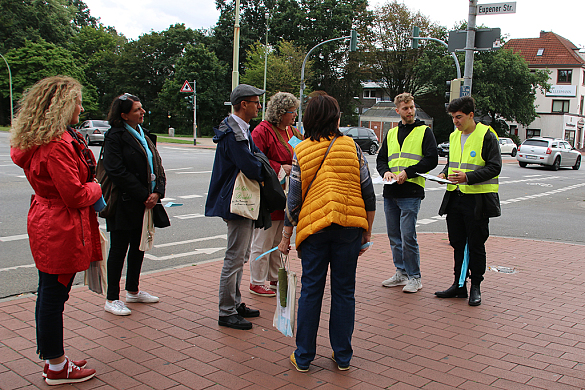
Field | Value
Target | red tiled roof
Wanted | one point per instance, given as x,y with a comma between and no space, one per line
557,50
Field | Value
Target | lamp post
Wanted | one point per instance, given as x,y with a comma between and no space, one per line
353,42
265,64
10,82
236,54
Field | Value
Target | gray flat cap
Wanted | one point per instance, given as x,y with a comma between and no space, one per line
243,91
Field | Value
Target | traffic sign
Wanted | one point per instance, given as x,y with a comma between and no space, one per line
187,87
485,39
497,8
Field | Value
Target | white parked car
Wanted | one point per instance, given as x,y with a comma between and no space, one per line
507,146
93,130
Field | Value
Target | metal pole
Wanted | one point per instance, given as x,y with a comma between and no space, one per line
194,112
10,82
265,66
447,46
470,45
236,56
300,126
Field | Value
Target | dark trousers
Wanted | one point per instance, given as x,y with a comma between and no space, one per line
120,240
51,298
464,228
338,249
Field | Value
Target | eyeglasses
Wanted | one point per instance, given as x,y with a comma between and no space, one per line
127,96
257,102
292,112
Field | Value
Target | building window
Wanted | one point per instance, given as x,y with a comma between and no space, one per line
564,76
560,106
532,133
581,105
369,94
540,52
514,129
570,137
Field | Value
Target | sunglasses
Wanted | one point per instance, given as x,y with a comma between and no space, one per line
256,102
127,96
292,112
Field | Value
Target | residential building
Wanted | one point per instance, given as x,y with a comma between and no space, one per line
561,108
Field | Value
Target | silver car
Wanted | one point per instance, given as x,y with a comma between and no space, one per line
93,130
552,152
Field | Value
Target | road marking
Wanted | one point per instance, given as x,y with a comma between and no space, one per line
177,169
542,194
170,147
9,165
17,267
182,173
167,199
14,238
190,196
224,236
189,216
206,251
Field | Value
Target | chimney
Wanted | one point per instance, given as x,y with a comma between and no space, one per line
542,33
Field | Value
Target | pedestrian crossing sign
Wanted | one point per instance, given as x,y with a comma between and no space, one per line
187,87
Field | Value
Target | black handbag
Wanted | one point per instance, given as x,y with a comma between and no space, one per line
160,217
109,189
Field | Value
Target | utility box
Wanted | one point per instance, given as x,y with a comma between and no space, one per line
171,131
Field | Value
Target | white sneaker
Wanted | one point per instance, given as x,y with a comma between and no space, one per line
117,308
397,280
141,297
412,286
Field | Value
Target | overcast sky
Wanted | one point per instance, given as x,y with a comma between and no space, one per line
136,17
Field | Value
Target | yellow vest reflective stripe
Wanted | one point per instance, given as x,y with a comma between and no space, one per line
470,159
336,193
410,153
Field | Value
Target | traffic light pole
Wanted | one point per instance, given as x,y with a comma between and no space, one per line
194,112
447,46
10,82
351,37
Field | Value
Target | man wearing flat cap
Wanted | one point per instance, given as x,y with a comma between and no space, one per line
234,153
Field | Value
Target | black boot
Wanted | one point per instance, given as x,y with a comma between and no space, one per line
453,292
474,295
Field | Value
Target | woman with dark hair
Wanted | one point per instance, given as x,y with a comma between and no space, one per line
331,200
133,164
62,225
272,137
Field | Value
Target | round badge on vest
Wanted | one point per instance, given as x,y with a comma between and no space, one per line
472,154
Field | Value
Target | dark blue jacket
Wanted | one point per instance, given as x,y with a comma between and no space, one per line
233,154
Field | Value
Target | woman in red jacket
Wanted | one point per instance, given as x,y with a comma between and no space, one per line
272,137
62,224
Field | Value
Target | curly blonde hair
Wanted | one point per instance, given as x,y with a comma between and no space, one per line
278,105
45,111
404,97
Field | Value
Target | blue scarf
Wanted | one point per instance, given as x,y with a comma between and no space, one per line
139,135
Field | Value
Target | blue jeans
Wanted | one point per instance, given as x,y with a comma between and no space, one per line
401,215
51,298
338,249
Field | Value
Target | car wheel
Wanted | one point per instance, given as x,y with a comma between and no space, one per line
513,154
577,163
373,149
522,164
557,164
87,140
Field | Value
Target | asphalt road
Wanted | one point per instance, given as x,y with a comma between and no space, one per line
536,203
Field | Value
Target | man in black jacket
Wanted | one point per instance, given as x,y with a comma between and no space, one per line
407,150
474,165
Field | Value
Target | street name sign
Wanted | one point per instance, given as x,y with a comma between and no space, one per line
187,87
497,8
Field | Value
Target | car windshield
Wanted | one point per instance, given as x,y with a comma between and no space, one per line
536,142
101,124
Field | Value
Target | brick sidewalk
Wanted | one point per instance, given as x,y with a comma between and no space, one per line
527,334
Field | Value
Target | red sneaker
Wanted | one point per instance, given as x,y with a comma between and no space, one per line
79,363
261,290
69,374
273,285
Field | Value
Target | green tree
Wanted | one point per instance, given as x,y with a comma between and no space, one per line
35,61
200,64
504,87
283,68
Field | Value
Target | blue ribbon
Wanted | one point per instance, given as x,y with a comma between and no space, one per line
267,252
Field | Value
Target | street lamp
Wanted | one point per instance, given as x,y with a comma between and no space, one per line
352,47
10,82
265,64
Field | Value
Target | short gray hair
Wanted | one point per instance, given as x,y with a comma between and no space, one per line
278,105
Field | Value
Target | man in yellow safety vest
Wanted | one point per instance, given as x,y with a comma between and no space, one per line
473,168
407,150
